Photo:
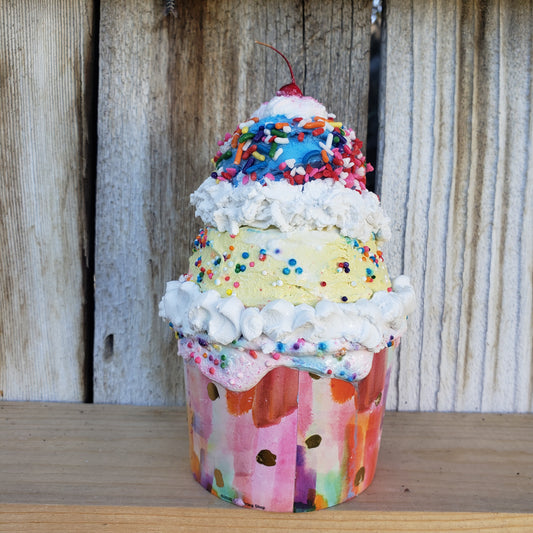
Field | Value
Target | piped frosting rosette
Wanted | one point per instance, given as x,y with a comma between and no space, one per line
291,167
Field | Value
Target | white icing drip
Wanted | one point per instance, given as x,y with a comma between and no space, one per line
320,204
369,323
242,372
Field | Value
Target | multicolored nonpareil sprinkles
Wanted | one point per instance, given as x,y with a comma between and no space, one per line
297,150
200,240
334,358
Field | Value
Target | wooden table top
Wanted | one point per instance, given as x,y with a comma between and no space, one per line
80,467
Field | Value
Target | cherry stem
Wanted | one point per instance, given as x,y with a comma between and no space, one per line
286,60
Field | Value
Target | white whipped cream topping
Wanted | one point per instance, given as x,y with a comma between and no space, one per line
291,107
320,204
369,323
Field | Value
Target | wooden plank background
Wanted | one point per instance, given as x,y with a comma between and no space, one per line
169,89
454,169
47,96
456,147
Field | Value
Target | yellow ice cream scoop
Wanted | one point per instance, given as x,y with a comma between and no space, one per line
302,266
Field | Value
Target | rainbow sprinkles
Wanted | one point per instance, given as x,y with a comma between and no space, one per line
298,150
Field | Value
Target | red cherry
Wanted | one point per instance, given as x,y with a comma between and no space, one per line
291,89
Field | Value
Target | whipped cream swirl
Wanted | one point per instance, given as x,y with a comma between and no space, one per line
366,324
304,107
317,205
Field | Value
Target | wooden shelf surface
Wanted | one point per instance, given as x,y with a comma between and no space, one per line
80,466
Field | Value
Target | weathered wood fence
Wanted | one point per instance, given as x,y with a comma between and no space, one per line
109,112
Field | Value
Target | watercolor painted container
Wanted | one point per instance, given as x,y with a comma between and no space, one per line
294,442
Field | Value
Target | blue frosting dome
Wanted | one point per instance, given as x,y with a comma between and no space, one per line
295,149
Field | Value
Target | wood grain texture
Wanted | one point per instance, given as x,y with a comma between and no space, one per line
169,89
65,519
46,58
83,465
456,179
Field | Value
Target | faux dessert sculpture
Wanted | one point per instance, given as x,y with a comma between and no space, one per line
287,319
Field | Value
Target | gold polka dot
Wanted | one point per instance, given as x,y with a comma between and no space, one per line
266,457
313,441
212,391
360,476
377,401
219,480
